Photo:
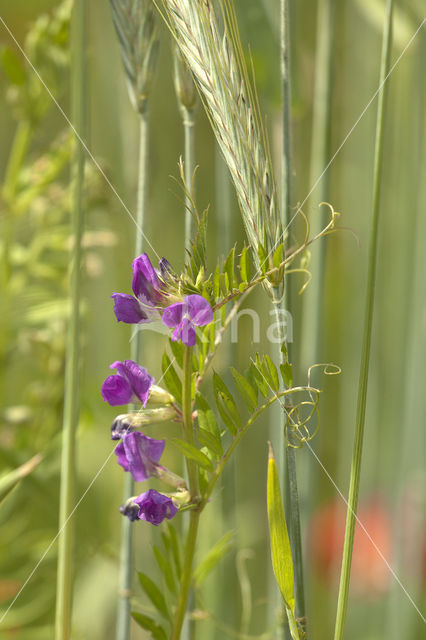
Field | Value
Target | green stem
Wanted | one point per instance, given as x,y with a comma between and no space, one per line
286,112
368,322
17,156
291,499
72,388
189,165
126,564
320,151
185,581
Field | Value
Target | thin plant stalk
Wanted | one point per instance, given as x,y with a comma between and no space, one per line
366,345
194,516
288,470
320,153
72,387
126,564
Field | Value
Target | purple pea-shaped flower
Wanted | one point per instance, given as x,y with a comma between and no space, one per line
193,312
131,384
148,286
139,454
154,507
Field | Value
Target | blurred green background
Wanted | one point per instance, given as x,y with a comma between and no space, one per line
34,217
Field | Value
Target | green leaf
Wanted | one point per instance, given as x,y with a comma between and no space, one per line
149,624
245,388
10,480
278,255
213,557
206,418
260,381
171,378
175,547
208,440
271,373
165,568
216,283
230,270
245,265
263,258
154,594
287,374
282,562
191,452
226,405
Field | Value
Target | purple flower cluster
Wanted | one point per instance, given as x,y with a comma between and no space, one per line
151,295
137,453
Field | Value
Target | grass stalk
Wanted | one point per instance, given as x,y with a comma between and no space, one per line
366,345
72,387
126,564
189,164
320,153
287,468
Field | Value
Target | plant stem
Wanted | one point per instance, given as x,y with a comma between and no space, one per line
312,304
188,127
291,499
288,471
185,581
368,322
126,565
71,398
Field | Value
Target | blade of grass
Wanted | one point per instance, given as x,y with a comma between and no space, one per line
368,322
72,387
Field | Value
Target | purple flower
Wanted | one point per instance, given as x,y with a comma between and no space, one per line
139,454
154,507
193,312
130,384
148,286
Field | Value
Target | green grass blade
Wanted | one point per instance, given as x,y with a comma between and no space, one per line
368,322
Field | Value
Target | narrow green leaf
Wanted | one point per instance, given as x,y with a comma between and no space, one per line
206,418
287,374
226,405
278,255
191,452
154,594
229,269
171,378
216,282
272,373
165,568
211,442
213,557
245,265
260,381
263,258
149,624
245,388
13,66
175,547
282,562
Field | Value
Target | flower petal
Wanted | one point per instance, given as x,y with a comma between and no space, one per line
172,315
121,455
154,507
137,377
186,333
145,280
116,390
142,454
128,309
199,310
